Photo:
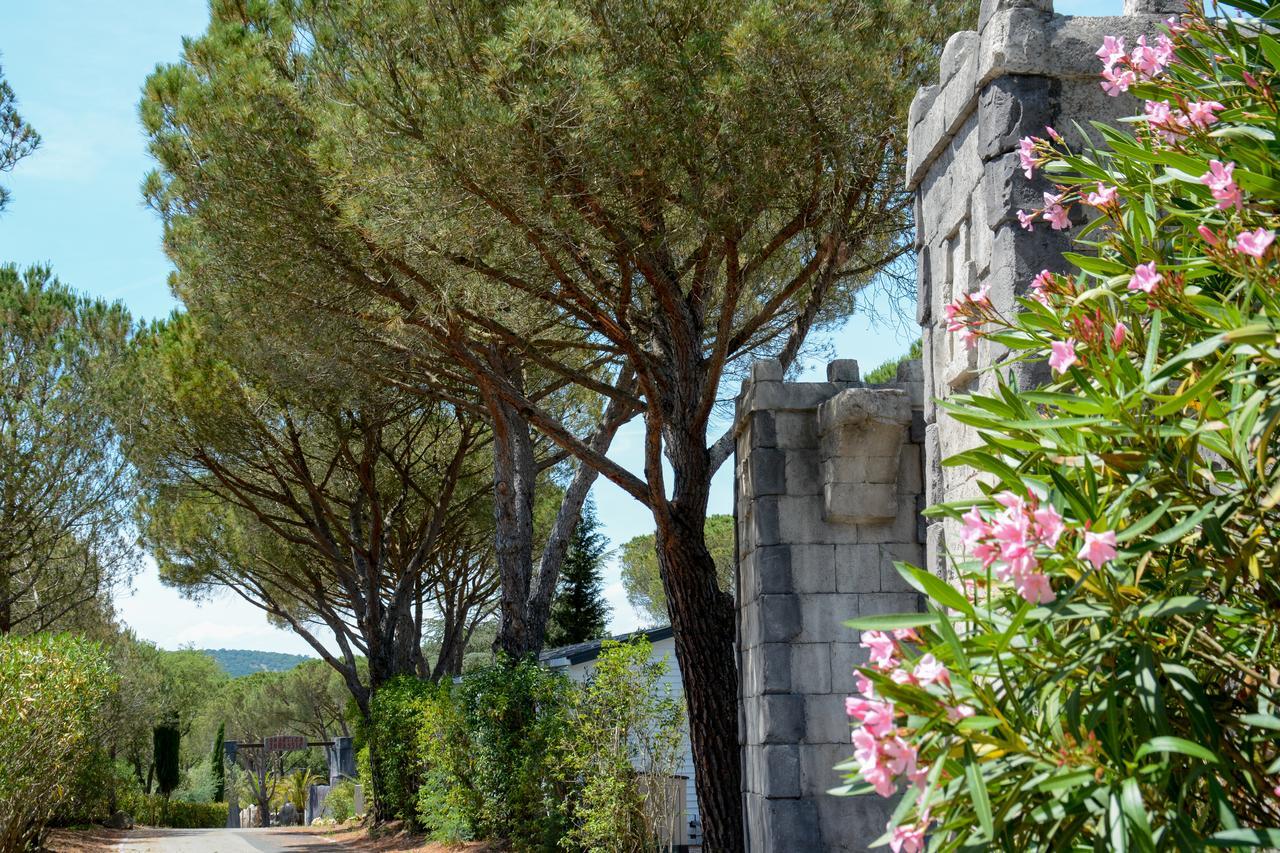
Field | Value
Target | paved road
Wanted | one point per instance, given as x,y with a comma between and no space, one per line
277,840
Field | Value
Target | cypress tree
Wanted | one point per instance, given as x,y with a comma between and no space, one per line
580,612
165,740
219,768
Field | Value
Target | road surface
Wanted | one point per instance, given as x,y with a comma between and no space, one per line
275,840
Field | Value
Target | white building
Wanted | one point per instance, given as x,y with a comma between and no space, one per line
577,662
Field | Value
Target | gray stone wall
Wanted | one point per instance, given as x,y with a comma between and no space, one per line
828,496
1024,68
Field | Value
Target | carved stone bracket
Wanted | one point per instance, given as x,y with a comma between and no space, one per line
861,431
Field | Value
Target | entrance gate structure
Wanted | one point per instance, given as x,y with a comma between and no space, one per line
339,755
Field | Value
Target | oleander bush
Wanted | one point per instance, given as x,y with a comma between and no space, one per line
1104,674
52,693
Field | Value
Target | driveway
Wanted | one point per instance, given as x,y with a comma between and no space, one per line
275,840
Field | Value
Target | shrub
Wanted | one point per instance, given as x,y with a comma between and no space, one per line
396,765
621,743
340,801
1107,678
52,690
155,810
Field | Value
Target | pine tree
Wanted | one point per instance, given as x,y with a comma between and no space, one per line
580,612
216,761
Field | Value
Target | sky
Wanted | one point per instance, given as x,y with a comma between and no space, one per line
77,67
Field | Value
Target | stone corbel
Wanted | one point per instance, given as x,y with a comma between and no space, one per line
861,432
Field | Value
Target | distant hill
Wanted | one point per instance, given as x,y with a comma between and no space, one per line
238,662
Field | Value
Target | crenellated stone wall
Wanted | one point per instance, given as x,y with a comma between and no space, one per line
829,492
1024,68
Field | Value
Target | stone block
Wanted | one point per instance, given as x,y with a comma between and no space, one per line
802,472
932,465
766,472
935,551
1006,190
823,616
803,522
811,668
891,579
844,657
780,618
924,292
1016,40
850,824
771,570
817,766
1014,106
767,370
1163,8
765,521
787,824
915,433
960,48
826,720
860,469
843,370
779,718
813,568
910,473
884,603
766,669
796,430
762,429
779,770
857,568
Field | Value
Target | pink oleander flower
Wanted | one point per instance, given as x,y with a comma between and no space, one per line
1034,587
1055,212
900,756
1104,196
1115,83
1098,548
1053,134
1040,286
956,713
883,649
1118,334
981,296
1255,242
865,685
907,839
930,670
1026,219
1112,51
1164,48
1201,113
1063,356
1145,278
919,776
906,635
975,527
1148,59
1250,81
876,717
1207,235
1158,112
1223,187
1049,525
1027,155
969,337
902,676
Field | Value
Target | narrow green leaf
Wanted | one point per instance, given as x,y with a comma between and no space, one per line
1169,743
978,793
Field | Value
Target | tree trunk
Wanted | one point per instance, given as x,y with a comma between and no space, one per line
702,619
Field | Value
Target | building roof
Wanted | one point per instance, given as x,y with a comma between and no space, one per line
590,650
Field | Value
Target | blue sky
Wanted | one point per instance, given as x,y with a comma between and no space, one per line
77,67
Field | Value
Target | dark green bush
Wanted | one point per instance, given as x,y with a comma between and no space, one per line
396,765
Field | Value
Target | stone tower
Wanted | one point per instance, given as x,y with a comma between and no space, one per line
1024,68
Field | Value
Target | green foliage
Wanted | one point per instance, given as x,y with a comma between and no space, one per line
888,371
580,612
621,745
341,801
238,662
52,692
396,763
166,741
1132,703
156,810
642,582
217,760
17,138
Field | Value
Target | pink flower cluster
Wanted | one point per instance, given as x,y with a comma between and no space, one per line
1120,69
1008,542
885,758
965,314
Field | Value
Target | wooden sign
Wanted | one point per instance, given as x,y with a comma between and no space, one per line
284,743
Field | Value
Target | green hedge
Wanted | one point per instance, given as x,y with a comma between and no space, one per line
154,810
